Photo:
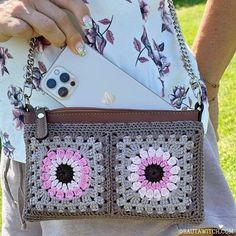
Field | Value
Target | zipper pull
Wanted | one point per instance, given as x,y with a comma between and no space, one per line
41,123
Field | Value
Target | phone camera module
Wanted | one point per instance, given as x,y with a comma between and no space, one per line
63,92
51,83
64,77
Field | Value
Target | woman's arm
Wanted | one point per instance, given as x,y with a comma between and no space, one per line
215,46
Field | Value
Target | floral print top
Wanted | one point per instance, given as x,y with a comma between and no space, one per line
136,35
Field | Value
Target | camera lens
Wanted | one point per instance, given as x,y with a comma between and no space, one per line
63,92
72,83
51,83
64,77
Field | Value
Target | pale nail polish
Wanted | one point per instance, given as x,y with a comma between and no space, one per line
80,48
87,22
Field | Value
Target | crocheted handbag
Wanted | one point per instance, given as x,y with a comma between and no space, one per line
114,163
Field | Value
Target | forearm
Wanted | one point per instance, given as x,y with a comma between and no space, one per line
214,47
215,43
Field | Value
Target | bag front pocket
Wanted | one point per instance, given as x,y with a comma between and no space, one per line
159,171
66,173
133,170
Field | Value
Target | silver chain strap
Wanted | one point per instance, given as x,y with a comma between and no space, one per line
28,84
194,81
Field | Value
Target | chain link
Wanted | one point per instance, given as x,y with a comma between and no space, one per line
30,62
28,84
194,81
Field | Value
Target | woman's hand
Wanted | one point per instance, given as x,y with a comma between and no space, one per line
29,18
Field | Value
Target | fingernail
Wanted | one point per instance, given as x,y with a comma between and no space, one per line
87,22
80,48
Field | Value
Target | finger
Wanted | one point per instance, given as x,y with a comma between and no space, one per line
73,37
15,27
42,25
79,10
4,38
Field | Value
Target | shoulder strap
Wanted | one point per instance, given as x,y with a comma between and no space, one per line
194,80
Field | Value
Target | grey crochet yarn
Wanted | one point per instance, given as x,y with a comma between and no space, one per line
114,153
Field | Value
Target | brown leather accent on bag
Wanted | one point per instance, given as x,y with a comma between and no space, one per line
86,115
41,123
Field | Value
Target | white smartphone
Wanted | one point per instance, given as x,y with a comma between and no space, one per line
93,81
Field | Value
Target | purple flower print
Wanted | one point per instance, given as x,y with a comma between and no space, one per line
144,8
15,95
38,73
8,149
18,117
4,55
155,53
162,60
167,22
41,44
98,39
204,92
163,64
178,96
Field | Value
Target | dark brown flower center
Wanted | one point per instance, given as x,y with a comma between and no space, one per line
64,173
154,173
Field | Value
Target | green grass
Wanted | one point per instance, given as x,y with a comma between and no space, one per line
189,18
187,3
190,13
0,210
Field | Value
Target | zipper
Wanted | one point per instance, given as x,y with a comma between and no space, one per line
42,116
115,110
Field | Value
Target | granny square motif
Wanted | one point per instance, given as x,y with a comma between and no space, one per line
155,175
149,170
67,175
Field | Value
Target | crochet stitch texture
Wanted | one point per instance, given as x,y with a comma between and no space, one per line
150,170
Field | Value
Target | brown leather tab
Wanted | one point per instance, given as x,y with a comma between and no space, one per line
41,123
83,115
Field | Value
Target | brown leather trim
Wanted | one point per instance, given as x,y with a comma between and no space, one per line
78,115
41,124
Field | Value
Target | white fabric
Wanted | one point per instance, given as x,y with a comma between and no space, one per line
126,26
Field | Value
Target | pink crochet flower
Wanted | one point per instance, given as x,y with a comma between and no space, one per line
65,174
154,173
